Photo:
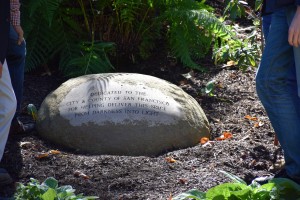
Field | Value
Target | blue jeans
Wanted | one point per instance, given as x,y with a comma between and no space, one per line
266,23
278,87
16,65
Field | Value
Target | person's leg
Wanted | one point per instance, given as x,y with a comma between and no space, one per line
266,23
277,89
16,62
7,111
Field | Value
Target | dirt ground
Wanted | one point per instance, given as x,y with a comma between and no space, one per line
248,154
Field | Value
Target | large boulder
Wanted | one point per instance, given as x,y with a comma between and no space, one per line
121,114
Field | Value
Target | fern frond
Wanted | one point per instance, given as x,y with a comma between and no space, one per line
40,44
45,8
192,31
180,46
211,23
87,58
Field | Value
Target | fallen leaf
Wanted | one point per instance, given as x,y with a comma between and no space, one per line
204,140
54,152
170,197
42,155
25,144
188,75
183,181
220,85
252,163
251,118
80,174
230,63
209,143
226,135
258,124
170,160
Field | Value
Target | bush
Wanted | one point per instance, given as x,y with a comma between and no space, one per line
81,33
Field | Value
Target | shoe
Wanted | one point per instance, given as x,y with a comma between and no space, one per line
280,174
17,127
5,178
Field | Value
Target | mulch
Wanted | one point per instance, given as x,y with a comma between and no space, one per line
233,107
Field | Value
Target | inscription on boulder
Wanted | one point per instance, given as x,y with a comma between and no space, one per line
121,103
121,114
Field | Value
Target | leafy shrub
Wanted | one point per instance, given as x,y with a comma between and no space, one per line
245,51
48,190
235,8
243,48
80,33
61,29
277,188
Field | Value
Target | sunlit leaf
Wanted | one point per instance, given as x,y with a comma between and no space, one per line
170,160
54,152
251,118
80,174
258,124
204,140
231,63
226,135
42,155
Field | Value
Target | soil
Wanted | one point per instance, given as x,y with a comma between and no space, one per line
250,153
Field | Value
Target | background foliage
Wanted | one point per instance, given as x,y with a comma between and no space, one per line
83,35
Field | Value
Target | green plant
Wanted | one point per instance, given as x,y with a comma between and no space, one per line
48,190
80,33
64,30
243,48
277,188
235,8
258,4
191,30
209,88
244,52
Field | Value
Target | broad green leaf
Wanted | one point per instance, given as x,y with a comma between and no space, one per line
195,194
51,182
258,4
224,191
49,195
287,188
210,86
233,177
251,60
265,187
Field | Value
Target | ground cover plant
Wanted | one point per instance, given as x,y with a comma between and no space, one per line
277,188
48,190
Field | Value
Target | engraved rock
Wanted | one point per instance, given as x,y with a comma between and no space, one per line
121,114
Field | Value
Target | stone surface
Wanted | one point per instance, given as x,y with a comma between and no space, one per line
121,114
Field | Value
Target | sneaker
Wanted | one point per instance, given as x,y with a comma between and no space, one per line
5,178
18,127
280,174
